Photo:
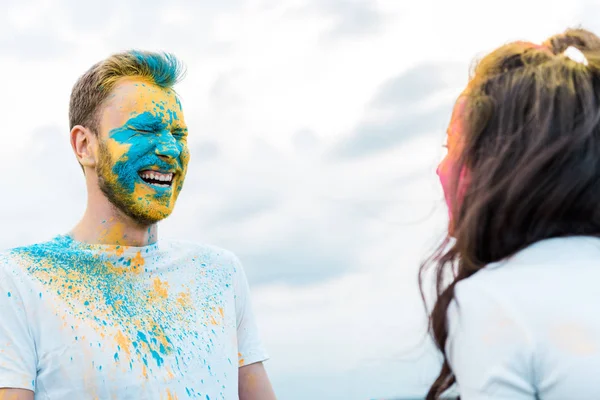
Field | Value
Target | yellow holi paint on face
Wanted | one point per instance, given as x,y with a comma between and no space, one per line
117,150
143,153
145,196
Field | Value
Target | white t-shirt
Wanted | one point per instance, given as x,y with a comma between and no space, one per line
164,321
529,327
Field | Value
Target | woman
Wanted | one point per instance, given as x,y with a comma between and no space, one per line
519,317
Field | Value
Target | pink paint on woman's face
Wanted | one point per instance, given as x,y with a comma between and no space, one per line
447,169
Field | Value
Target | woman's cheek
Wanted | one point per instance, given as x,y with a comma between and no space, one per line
444,172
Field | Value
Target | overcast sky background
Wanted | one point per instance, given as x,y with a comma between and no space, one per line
315,130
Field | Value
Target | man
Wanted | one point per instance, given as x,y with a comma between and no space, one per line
109,311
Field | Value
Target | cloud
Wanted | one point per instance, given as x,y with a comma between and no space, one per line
249,204
36,45
224,92
369,325
140,18
301,257
403,108
88,17
29,31
351,18
180,26
418,83
587,16
305,141
372,137
205,151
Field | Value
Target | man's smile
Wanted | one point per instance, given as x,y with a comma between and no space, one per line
157,178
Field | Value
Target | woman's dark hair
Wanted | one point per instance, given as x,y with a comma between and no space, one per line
530,141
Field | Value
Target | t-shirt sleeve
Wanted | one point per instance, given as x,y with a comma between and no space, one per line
488,348
250,347
17,349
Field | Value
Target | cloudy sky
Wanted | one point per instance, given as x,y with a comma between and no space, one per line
315,130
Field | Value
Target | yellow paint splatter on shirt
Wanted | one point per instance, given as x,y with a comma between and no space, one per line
161,289
141,316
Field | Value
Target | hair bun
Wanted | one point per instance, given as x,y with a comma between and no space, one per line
581,39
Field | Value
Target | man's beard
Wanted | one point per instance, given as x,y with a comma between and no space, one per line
116,194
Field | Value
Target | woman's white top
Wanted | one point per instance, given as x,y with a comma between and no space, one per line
529,327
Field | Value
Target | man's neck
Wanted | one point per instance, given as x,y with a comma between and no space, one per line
107,225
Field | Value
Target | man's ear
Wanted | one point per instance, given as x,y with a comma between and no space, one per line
84,143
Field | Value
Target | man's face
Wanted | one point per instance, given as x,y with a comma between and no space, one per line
143,153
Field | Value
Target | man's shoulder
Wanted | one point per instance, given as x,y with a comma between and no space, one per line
14,255
16,258
13,260
202,252
6,258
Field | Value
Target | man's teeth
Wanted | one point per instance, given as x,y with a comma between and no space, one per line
157,176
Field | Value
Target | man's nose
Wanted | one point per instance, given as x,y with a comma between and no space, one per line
167,147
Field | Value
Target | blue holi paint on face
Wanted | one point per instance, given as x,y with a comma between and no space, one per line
172,115
148,138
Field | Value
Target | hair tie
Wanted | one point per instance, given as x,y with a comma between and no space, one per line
576,55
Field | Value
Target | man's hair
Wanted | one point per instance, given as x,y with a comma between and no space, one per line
93,87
